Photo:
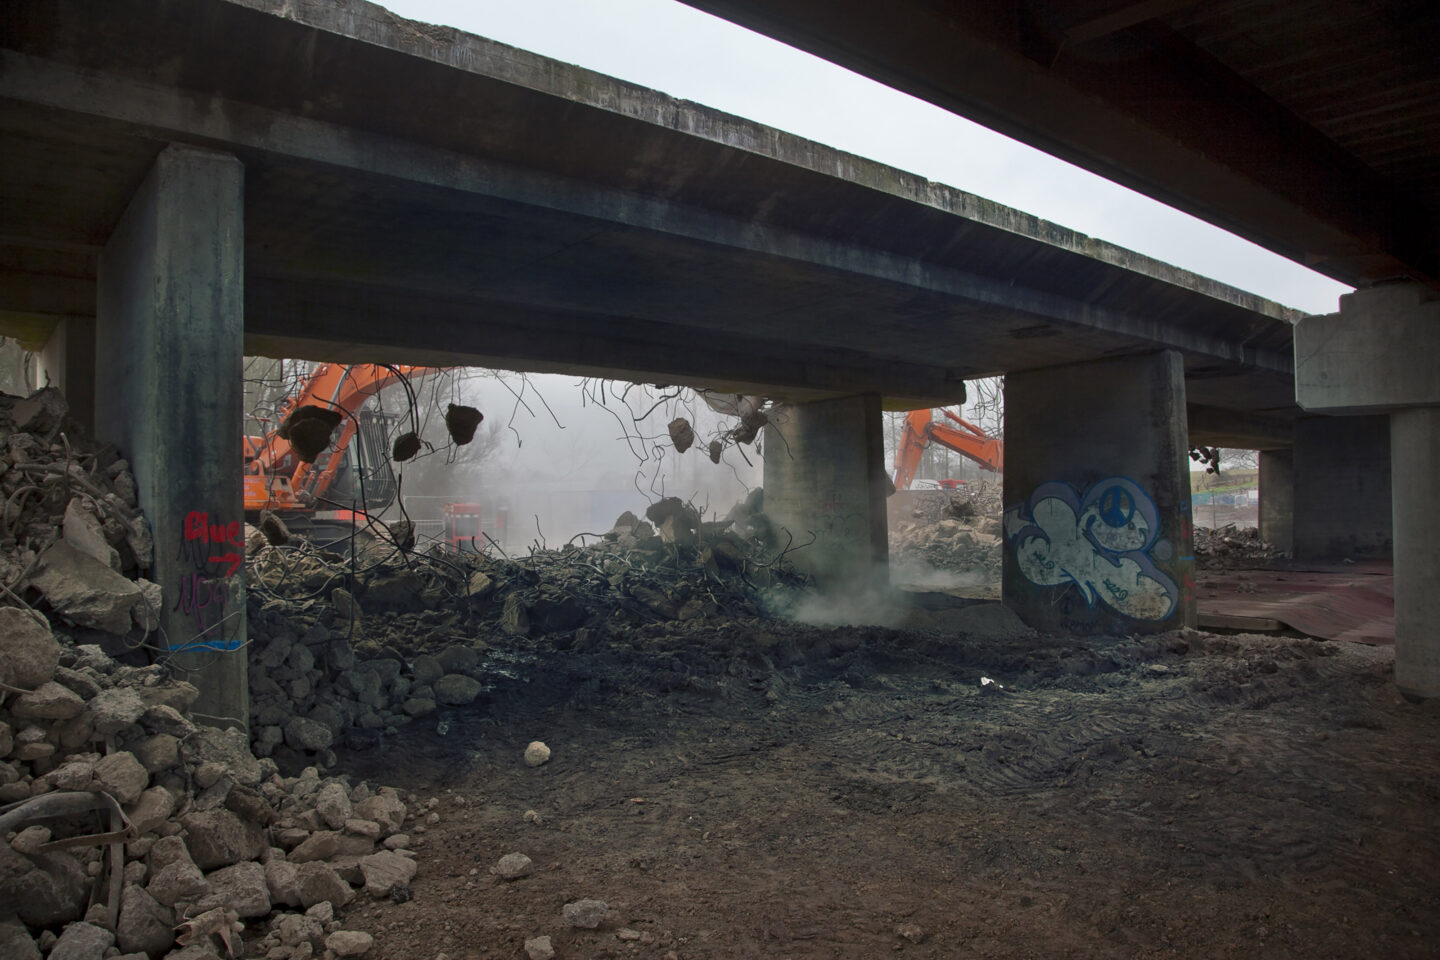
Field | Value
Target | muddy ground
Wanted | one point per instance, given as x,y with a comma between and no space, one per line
768,790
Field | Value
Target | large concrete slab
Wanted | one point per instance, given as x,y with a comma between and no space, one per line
418,194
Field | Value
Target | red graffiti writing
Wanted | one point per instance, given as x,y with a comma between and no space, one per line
232,559
199,529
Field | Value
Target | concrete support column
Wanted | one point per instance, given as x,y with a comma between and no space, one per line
1098,534
1342,488
825,482
67,361
1415,458
1277,498
1381,355
168,391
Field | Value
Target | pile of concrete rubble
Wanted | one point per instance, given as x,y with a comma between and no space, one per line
952,532
1231,546
125,828
128,828
72,539
349,647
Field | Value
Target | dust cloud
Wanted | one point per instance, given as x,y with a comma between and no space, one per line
558,457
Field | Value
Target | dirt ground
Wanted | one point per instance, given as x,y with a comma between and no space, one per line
770,790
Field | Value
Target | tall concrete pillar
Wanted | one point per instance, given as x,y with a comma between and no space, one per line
168,388
825,489
1342,488
1098,533
67,361
1381,355
1277,498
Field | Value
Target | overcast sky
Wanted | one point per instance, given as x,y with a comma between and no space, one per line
671,47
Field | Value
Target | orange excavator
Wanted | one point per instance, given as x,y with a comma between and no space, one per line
965,439
351,477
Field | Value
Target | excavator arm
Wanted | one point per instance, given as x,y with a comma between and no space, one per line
270,458
965,439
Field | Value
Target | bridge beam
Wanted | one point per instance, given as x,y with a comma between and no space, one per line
169,336
1097,497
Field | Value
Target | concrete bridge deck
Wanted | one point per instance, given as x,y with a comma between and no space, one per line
414,193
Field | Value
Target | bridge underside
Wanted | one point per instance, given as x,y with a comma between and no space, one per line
181,182
520,213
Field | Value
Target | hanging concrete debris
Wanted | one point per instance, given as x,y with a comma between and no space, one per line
309,429
461,422
406,446
681,434
274,529
754,413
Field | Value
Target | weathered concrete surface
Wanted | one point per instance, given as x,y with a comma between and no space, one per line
67,361
1097,498
1415,452
169,391
1277,498
1342,488
825,488
1381,352
1379,355
1307,130
417,194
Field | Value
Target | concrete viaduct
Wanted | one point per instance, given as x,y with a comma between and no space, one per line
186,181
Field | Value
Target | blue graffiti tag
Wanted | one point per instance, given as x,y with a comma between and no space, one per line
1101,542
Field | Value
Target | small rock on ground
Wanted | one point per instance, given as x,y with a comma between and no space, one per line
585,913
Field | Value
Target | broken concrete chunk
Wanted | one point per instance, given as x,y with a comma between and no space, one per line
85,591
319,883
226,746
82,941
115,709
461,421
349,943
122,776
145,926
333,805
585,913
681,434
240,887
147,609
309,429
49,701
29,653
457,689
83,530
515,618
218,838
386,870
513,866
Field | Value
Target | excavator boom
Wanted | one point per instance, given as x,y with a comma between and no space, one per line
964,438
275,477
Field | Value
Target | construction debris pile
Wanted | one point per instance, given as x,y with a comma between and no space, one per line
1230,546
72,539
128,829
953,532
346,648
